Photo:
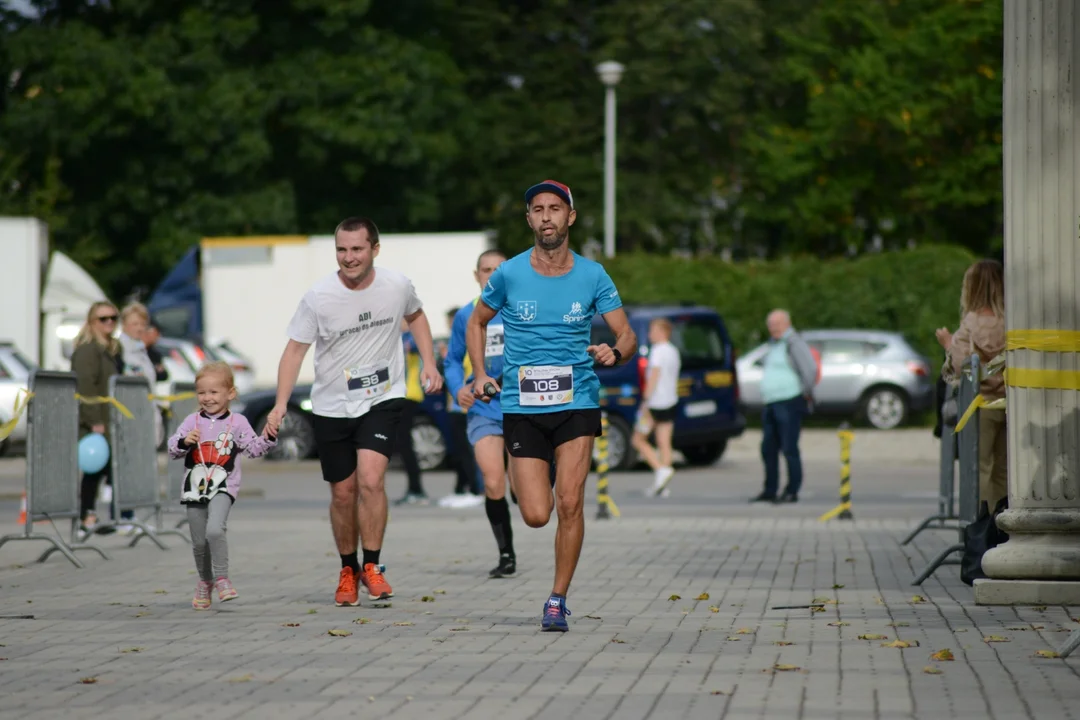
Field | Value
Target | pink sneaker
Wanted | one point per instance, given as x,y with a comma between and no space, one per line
201,601
225,590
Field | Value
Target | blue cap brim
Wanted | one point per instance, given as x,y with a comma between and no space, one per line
547,187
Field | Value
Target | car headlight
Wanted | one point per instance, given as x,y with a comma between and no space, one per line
305,405
237,407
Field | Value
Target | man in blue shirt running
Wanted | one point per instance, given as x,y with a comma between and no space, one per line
485,420
547,297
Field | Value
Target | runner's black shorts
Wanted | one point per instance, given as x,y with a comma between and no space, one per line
663,414
536,435
338,439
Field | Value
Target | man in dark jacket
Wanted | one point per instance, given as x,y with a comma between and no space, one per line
150,338
787,386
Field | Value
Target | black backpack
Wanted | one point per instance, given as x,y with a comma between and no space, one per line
980,536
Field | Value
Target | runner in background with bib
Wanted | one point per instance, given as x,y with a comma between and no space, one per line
547,298
485,420
353,317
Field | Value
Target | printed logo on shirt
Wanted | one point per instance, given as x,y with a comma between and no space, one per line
613,294
380,436
575,314
526,310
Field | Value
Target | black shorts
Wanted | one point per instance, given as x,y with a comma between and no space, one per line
663,414
536,435
338,439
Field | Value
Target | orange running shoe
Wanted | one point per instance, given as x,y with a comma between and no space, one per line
375,582
347,594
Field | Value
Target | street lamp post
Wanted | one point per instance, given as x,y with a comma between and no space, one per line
610,73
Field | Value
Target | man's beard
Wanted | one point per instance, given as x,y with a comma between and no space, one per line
552,242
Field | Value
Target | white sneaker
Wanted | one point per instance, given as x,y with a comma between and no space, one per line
461,501
663,476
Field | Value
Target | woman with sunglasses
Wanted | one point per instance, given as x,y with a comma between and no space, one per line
97,357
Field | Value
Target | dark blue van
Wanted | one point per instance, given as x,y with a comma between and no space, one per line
708,412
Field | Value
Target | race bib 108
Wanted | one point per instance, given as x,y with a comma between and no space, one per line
545,385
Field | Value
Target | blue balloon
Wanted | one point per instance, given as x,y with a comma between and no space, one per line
93,453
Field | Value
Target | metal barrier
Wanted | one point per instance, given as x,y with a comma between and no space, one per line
946,487
133,460
179,409
52,463
968,454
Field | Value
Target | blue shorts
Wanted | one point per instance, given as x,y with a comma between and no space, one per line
479,427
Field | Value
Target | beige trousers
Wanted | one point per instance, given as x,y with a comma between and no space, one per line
993,457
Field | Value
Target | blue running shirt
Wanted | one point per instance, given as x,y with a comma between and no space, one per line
547,326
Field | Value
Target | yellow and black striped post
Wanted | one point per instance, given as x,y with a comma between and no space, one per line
843,510
605,507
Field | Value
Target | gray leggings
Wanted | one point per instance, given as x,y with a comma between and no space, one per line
207,524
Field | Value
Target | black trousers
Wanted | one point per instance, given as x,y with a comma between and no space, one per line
464,459
406,449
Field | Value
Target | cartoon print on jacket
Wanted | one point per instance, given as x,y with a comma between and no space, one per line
208,467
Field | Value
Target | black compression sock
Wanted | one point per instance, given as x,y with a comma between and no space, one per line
350,561
498,513
371,556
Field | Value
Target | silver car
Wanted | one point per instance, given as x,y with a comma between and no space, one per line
873,375
15,369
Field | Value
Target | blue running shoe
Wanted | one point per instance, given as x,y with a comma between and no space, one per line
555,614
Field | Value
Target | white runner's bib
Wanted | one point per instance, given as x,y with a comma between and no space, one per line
495,341
545,385
368,382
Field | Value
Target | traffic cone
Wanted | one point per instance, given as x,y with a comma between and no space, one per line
22,511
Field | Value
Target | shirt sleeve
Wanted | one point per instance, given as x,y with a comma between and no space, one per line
412,300
607,296
494,295
454,368
304,326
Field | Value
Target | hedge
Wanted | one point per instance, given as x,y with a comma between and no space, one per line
910,291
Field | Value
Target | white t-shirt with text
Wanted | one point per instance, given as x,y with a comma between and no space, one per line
664,356
359,357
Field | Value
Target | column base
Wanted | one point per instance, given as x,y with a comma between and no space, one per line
1027,592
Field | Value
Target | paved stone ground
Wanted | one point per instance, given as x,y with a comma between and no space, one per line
642,645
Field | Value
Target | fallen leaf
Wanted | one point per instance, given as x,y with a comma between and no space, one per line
429,613
440,592
459,629
943,655
617,640
702,596
406,623
718,692
849,559
132,650
817,609
873,636
995,638
1047,654
673,598
161,592
901,644
361,621
917,599
786,668
733,639
783,643
931,670
427,598
734,547
242,678
879,601
820,600
714,609
839,624
312,611
837,587
1038,608
899,624
593,617
290,625
338,633
439,640
141,614
88,680
960,630
745,631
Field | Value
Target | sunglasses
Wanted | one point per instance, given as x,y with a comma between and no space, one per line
107,318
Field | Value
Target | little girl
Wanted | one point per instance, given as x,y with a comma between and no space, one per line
210,442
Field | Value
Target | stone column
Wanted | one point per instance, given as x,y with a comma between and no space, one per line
1040,564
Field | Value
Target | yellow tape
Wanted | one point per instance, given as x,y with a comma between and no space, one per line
1043,340
172,398
106,401
977,403
22,399
1043,379
835,511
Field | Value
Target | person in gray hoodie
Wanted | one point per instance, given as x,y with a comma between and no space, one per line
787,387
134,320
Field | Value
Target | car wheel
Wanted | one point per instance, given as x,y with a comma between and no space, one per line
621,456
704,455
5,445
429,444
885,408
296,436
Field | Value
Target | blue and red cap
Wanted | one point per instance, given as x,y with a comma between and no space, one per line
550,186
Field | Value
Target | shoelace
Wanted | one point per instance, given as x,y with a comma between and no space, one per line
554,610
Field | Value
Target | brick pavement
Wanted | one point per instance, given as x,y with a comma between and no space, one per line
635,650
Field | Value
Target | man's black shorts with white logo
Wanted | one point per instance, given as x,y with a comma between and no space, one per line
663,414
536,435
338,439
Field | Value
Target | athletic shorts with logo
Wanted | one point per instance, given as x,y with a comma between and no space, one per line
338,439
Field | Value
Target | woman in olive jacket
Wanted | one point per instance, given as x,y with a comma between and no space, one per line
96,358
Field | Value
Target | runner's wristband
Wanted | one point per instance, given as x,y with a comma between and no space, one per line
618,356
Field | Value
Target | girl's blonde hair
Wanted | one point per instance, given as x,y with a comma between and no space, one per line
217,368
664,324
135,308
984,288
88,334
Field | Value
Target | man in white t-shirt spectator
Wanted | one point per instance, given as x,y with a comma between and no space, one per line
659,401
353,317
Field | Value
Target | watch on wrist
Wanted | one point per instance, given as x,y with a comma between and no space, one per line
618,356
